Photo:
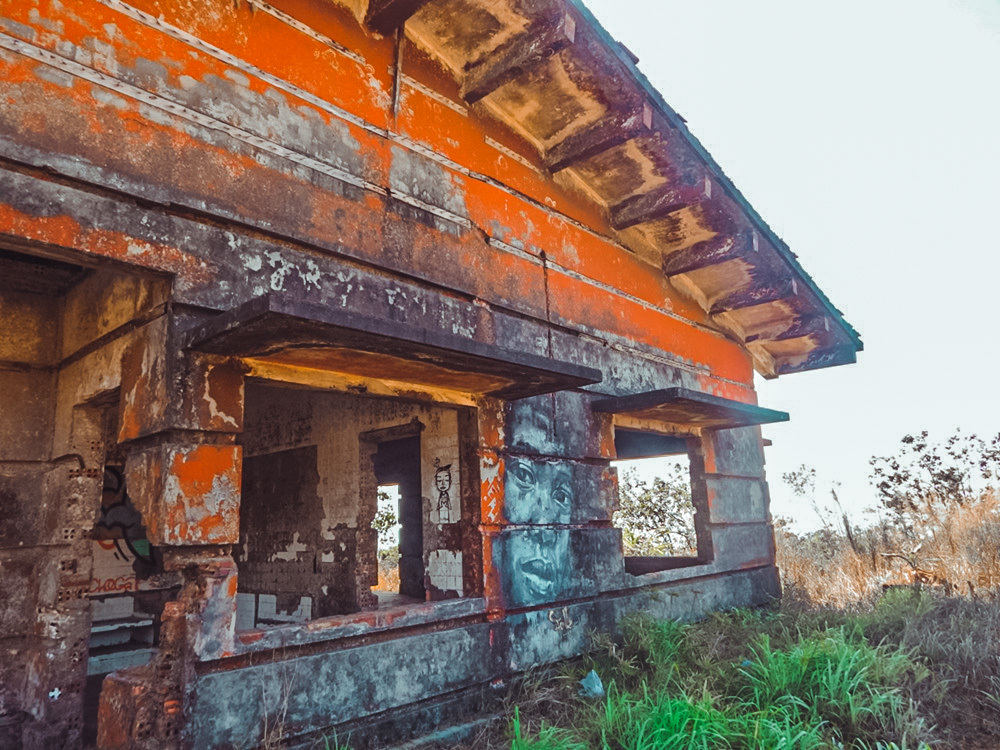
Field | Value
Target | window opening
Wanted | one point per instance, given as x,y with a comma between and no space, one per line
655,512
656,508
352,503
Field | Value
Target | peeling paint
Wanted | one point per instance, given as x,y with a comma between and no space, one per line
217,153
291,552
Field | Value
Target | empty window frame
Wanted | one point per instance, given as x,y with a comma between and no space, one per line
660,505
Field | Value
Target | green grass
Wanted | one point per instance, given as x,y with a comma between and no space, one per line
919,670
767,680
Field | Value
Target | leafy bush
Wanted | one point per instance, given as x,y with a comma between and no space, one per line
386,520
657,518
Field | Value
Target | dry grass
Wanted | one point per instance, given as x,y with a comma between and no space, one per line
939,566
388,572
952,546
959,639
388,580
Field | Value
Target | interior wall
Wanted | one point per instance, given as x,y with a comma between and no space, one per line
59,347
28,516
309,498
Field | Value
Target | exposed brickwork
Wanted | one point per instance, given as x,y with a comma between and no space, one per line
188,475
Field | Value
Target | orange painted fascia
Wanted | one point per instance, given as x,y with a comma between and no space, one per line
574,301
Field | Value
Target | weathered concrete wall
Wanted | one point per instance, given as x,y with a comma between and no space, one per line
237,150
309,498
350,679
55,375
190,132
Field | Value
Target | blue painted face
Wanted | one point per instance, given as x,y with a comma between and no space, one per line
537,562
538,491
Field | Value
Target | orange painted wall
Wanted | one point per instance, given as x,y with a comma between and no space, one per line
319,64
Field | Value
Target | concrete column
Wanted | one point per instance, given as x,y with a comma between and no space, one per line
180,413
491,474
736,499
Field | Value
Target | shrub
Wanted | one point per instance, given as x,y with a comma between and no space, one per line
657,518
938,524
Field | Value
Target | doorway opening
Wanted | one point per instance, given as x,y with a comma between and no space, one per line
397,465
387,526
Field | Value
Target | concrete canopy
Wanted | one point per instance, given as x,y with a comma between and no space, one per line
684,407
281,330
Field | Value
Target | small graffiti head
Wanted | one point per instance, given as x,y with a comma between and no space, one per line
442,476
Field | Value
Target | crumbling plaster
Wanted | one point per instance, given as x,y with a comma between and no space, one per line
194,156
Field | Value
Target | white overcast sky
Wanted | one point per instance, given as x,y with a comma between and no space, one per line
867,134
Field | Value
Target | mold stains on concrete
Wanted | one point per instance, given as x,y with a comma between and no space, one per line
186,547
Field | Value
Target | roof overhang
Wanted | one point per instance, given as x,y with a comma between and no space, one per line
577,107
687,409
283,330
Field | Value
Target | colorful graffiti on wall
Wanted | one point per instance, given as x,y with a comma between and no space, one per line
119,538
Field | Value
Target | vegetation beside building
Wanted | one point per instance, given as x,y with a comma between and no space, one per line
888,635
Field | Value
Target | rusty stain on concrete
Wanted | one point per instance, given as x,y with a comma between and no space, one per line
510,224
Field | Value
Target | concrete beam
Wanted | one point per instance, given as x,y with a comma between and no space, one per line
523,53
719,249
599,137
755,294
804,325
693,187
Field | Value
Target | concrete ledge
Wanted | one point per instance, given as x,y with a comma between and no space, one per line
358,624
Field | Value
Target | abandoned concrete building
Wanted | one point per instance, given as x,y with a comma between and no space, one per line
259,260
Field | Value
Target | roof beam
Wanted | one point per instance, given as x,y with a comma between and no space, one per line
600,137
763,360
521,54
385,16
830,357
719,249
694,187
803,325
754,295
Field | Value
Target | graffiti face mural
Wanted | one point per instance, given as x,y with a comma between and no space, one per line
537,491
538,560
